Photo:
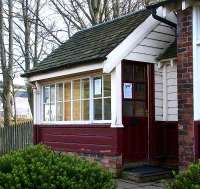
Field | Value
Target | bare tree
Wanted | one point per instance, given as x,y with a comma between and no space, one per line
7,66
83,13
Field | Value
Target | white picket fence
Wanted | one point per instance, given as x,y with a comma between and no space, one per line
16,137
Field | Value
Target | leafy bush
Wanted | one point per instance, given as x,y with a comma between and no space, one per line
189,179
38,167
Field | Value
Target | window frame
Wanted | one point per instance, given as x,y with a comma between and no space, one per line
91,101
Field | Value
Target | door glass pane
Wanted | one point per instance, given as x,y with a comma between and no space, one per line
128,72
139,108
97,87
128,108
67,91
85,88
52,93
46,112
139,73
107,109
107,85
85,109
76,90
76,110
98,109
46,94
67,111
59,111
140,91
59,92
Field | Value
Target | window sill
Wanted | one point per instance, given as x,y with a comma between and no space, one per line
76,122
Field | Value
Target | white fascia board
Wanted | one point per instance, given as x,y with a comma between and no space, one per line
127,45
65,72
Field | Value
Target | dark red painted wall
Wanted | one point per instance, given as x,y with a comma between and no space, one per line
99,139
165,140
197,139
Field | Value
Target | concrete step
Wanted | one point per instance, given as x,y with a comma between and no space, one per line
146,173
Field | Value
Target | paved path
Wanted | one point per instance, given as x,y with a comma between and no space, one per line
132,185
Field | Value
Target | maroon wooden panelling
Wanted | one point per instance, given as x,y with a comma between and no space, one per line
135,139
165,140
197,139
82,139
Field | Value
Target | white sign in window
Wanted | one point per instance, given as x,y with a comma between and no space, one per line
97,87
128,94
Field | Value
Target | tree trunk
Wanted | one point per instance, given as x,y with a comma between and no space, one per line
27,44
7,70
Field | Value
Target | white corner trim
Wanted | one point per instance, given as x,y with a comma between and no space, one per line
116,97
185,4
165,99
196,62
127,45
68,71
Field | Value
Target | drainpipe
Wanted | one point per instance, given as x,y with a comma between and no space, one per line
161,19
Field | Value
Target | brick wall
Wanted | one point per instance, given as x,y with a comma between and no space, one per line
185,88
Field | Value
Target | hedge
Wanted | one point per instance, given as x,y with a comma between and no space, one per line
38,167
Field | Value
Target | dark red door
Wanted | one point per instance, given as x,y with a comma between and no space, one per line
135,111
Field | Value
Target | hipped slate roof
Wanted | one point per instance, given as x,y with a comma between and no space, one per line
91,45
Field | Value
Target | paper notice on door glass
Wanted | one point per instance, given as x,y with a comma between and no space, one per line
128,94
97,84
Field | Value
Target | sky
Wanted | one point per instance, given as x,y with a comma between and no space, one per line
49,17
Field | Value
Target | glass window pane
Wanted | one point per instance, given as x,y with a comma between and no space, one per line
67,115
67,91
107,108
97,87
76,110
128,108
140,91
59,111
139,73
59,92
46,94
53,112
128,72
107,85
52,93
85,88
76,90
139,108
46,112
85,109
98,109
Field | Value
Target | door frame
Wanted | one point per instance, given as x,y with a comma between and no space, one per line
150,102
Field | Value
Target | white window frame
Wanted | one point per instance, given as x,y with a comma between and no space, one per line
91,102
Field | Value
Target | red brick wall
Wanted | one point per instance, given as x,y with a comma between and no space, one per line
185,88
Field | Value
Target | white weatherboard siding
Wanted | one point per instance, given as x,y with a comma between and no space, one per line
166,103
196,62
153,44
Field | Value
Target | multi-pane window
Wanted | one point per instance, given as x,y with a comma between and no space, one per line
75,100
136,75
49,103
102,98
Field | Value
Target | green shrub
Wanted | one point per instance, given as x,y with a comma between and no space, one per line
189,179
38,167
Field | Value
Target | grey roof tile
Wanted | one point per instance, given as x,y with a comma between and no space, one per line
92,44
